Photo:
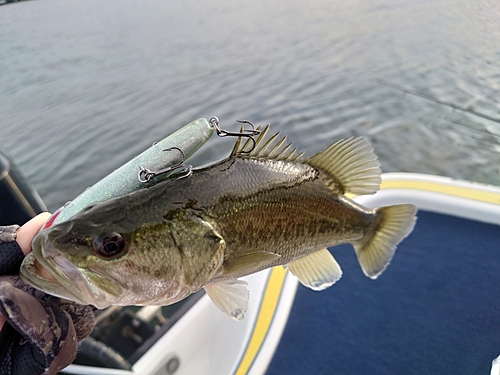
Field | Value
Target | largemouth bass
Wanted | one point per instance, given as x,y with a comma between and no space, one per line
251,211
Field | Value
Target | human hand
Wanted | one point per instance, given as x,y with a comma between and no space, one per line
39,333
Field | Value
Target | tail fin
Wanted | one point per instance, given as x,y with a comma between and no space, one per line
375,251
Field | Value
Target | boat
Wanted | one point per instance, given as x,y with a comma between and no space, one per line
19,201
7,1
434,310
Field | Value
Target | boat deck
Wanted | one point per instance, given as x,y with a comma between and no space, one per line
435,310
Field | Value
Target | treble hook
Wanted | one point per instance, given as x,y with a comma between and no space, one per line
146,175
214,121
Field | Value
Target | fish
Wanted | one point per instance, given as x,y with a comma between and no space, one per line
261,207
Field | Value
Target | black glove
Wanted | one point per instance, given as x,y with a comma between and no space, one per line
42,332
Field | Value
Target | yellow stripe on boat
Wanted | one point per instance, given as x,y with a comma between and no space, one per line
264,319
436,187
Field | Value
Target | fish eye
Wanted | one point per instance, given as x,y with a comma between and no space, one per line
108,245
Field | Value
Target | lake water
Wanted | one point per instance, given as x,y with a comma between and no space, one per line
87,85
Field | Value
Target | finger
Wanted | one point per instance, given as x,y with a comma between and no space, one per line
26,233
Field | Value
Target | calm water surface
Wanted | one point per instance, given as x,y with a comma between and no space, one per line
87,85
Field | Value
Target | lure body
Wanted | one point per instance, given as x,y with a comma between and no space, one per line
124,180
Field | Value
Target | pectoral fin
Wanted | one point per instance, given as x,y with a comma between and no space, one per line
248,263
230,296
317,271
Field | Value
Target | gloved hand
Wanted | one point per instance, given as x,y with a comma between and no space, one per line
39,333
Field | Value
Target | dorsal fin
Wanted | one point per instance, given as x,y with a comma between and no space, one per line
267,145
351,163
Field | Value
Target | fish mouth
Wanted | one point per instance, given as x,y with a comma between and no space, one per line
68,280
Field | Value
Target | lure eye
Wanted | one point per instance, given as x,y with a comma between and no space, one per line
108,245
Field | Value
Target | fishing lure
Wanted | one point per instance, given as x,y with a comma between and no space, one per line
163,159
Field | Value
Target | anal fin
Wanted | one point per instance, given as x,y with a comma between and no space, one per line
230,296
317,271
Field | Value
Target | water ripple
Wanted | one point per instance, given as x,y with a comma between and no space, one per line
84,90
